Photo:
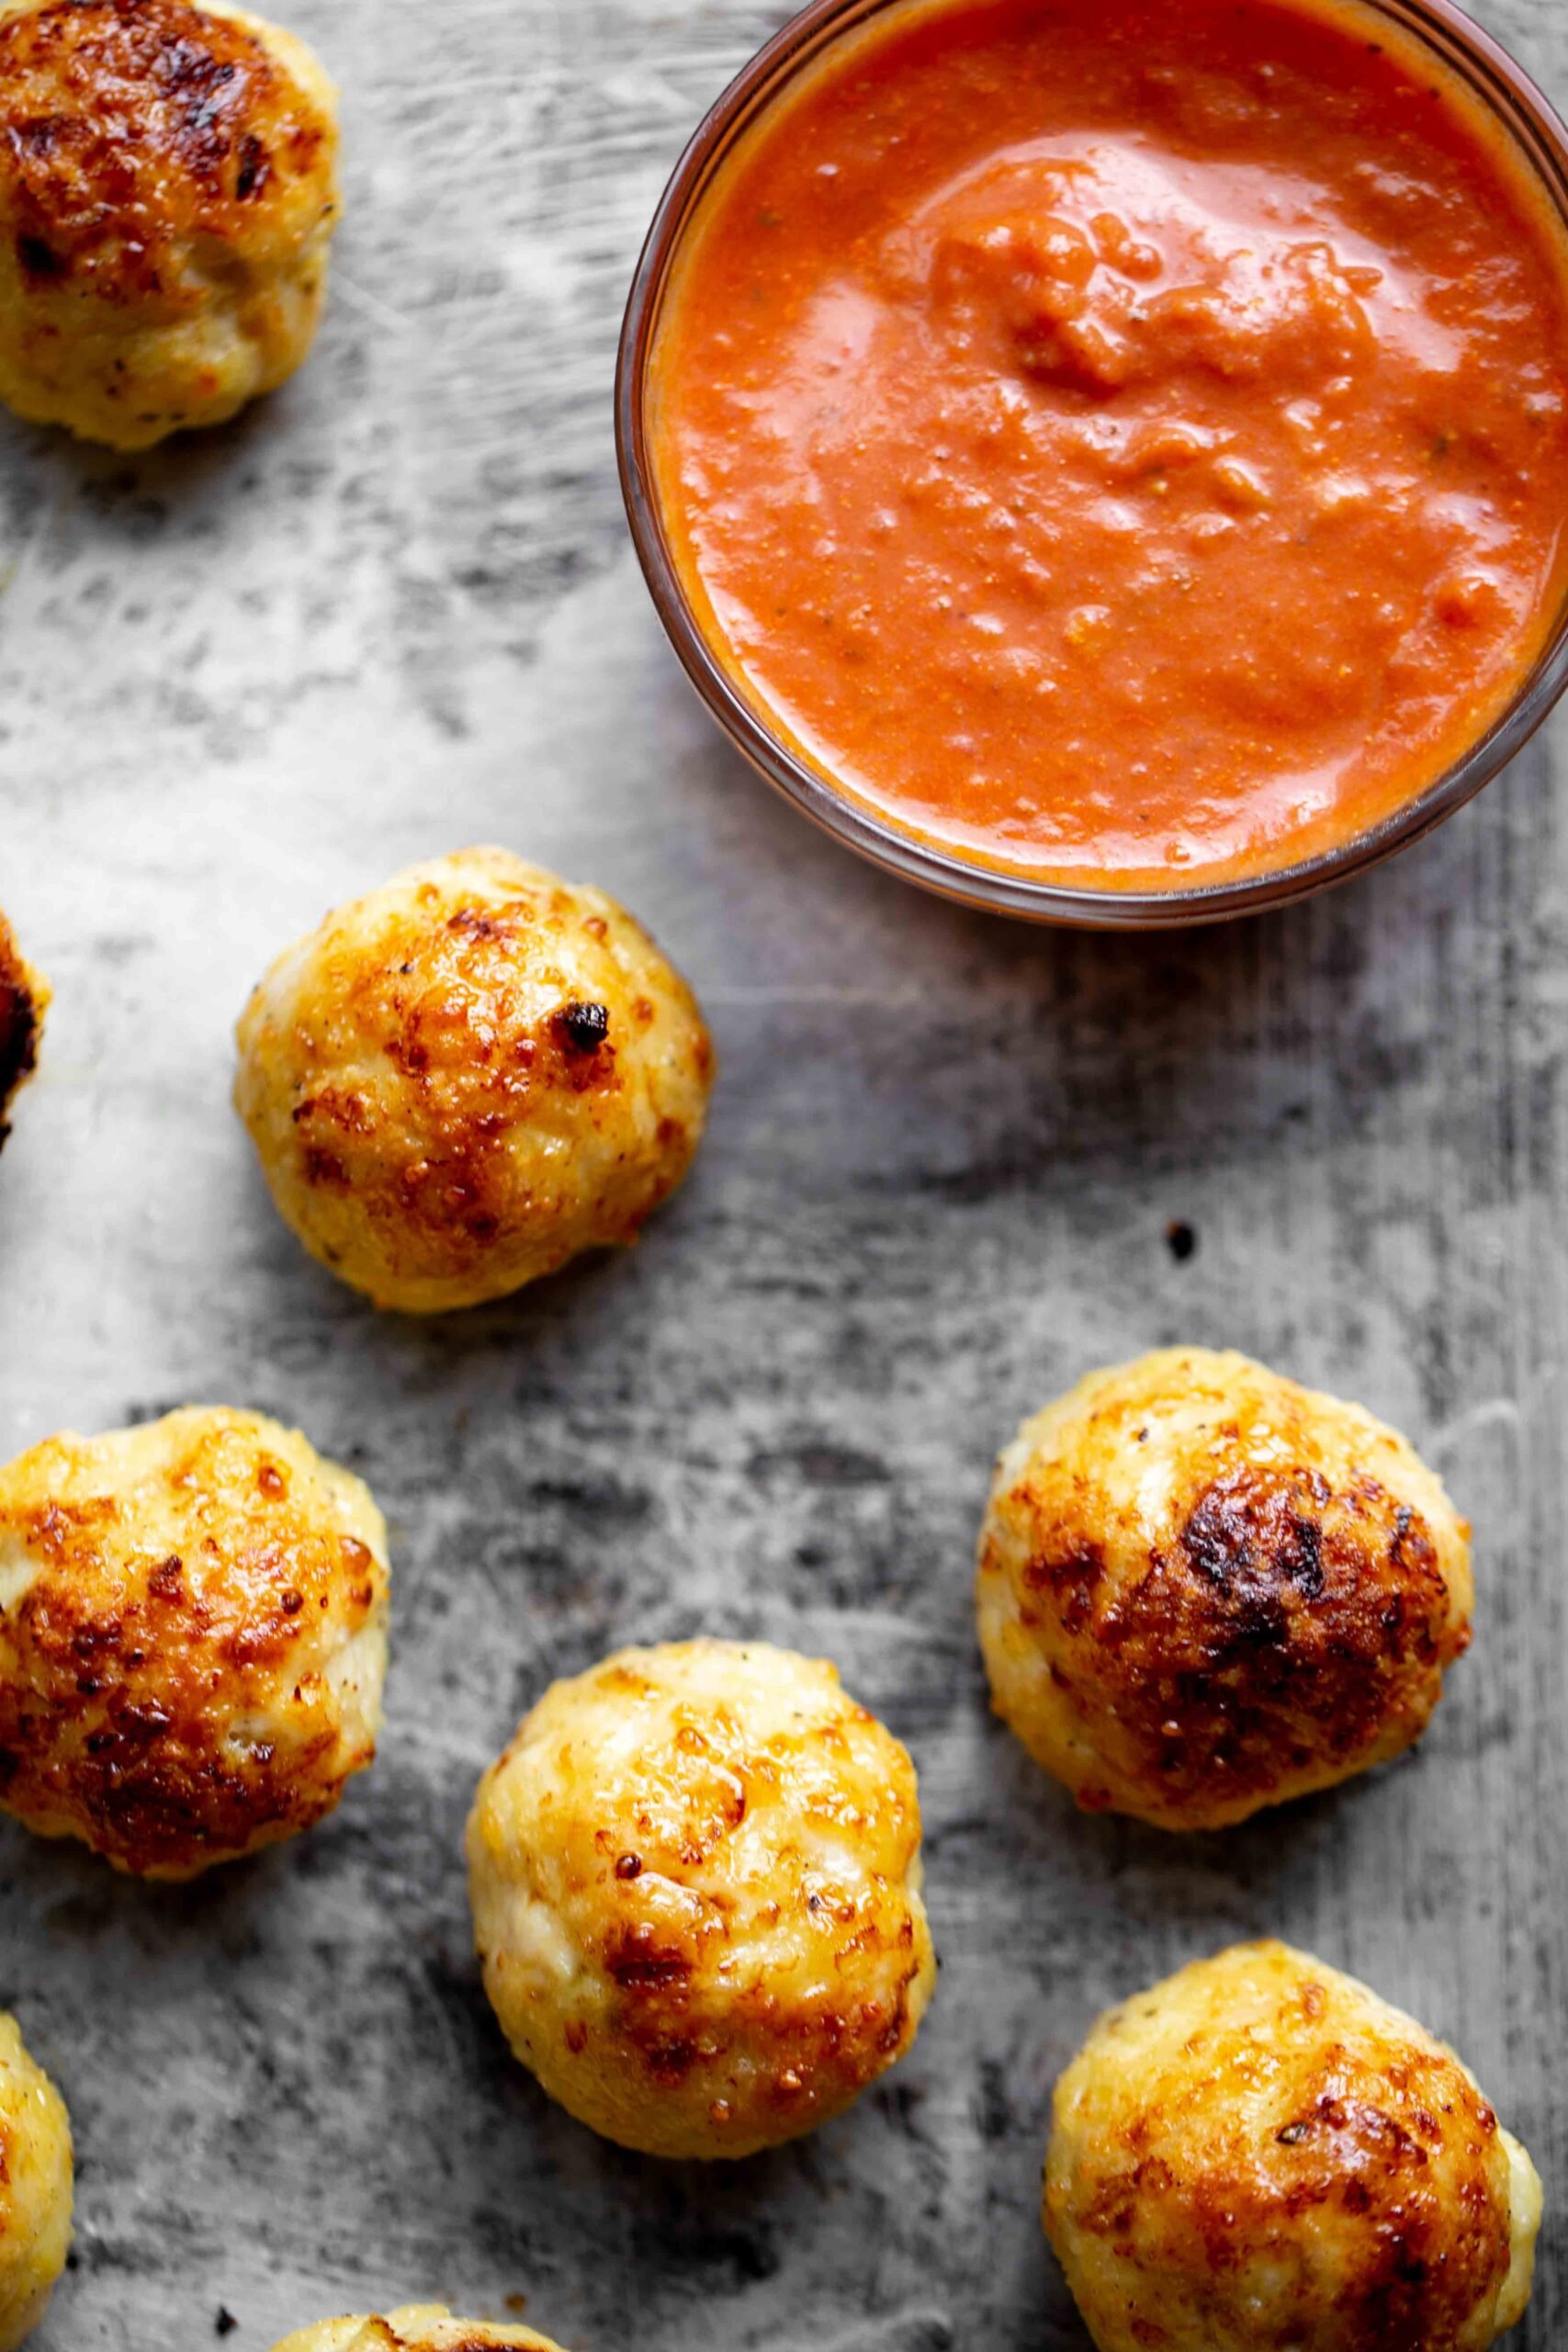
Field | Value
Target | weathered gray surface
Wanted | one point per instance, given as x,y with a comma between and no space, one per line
396,613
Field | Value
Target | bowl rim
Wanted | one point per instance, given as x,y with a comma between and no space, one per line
1538,131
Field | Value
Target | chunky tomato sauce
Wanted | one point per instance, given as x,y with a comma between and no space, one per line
1119,440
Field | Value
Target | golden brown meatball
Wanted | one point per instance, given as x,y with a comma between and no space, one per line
464,1080
427,2327
36,2182
696,1886
192,1639
1260,2152
168,189
24,1000
1203,1589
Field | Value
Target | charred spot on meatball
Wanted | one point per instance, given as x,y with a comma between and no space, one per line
583,1028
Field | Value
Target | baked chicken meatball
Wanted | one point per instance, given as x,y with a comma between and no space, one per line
425,2328
1202,1590
192,1639
1260,2152
36,2182
697,1887
465,1078
24,1000
168,189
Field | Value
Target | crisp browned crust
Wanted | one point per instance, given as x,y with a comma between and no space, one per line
686,1988
166,1690
1360,2141
131,127
22,999
450,1002
1287,1624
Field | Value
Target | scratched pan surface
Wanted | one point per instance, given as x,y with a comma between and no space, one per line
396,613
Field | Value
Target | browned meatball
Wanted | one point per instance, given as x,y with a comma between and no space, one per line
425,2327
1260,2153
463,1079
36,2177
1203,1589
696,1875
23,1000
168,187
192,1638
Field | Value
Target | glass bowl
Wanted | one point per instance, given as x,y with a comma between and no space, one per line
1538,132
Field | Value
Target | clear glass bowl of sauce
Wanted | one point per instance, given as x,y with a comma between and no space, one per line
1114,478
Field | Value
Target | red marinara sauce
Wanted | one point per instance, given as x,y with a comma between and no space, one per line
1120,442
